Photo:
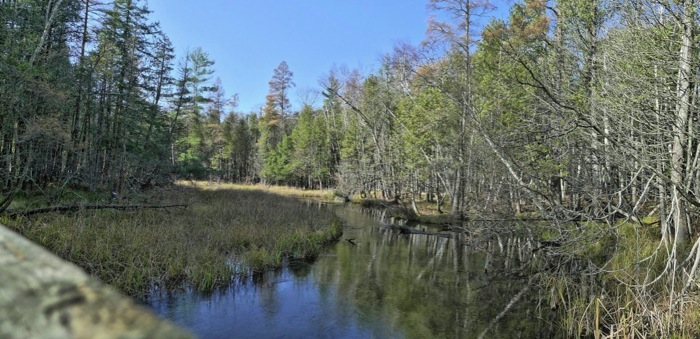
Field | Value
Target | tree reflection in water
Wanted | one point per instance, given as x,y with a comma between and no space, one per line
387,285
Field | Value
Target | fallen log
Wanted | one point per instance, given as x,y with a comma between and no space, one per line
409,230
75,208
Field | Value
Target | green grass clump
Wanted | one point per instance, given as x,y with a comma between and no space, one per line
222,232
639,255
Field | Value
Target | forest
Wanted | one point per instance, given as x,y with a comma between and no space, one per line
578,112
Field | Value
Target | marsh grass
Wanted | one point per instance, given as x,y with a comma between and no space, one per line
49,196
224,232
287,191
625,291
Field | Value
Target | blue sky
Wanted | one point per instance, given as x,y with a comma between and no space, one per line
248,39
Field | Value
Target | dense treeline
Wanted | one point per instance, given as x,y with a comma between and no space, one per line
82,83
92,98
578,110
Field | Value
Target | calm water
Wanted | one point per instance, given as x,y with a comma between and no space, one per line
388,285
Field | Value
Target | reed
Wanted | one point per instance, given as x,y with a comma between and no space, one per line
625,290
225,231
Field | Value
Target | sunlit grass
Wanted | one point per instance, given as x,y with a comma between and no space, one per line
288,191
224,231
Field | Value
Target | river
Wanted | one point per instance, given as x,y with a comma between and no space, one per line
385,285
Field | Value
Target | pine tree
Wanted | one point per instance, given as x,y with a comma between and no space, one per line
191,99
276,110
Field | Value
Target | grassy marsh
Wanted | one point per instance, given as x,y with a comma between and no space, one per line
225,231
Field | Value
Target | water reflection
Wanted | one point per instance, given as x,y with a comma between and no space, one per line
385,285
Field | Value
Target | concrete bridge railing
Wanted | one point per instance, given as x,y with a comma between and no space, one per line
43,296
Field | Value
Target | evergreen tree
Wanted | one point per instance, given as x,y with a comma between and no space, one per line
274,116
191,99
310,159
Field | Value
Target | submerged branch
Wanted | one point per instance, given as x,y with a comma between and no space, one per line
510,305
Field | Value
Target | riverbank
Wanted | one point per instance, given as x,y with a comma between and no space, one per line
619,279
225,231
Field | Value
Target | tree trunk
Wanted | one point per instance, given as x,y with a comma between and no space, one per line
681,124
